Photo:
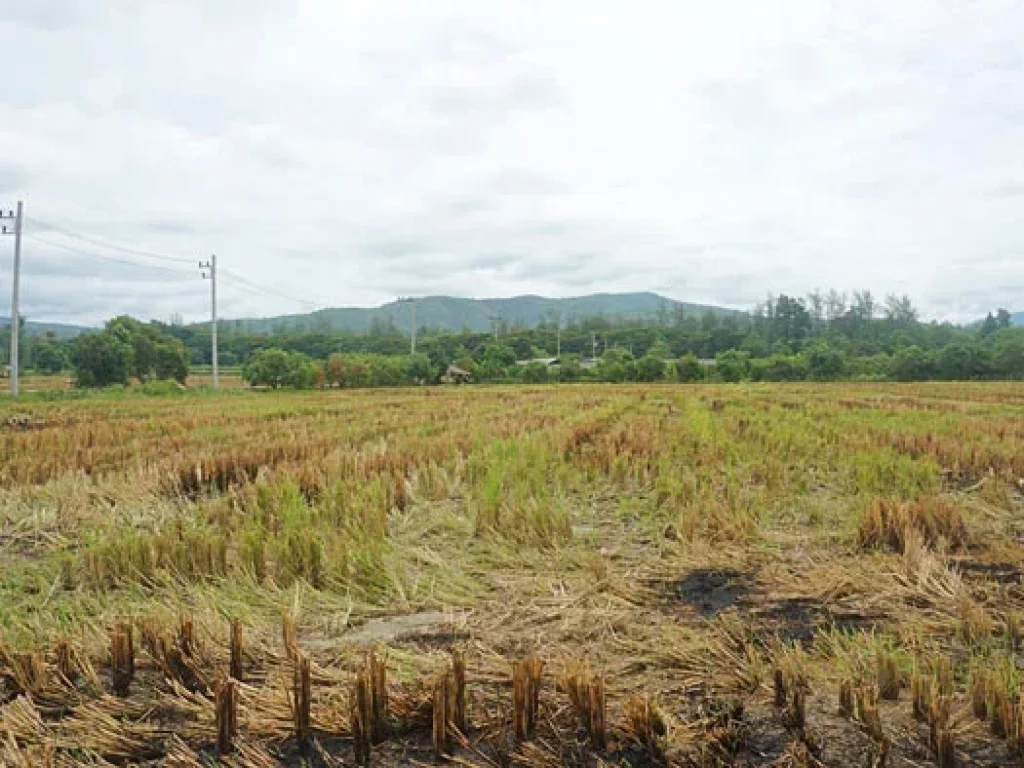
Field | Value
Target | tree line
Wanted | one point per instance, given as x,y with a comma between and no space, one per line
822,336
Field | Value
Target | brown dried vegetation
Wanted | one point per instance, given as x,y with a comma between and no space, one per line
675,538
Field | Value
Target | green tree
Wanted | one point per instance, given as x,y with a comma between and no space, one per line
911,364
660,350
990,325
101,359
570,369
616,365
48,355
650,368
143,340
535,373
267,368
170,360
956,362
419,369
732,365
300,371
688,368
498,355
496,362
780,367
791,321
900,310
521,348
1008,353
825,363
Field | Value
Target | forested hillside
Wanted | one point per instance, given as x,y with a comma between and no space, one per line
449,313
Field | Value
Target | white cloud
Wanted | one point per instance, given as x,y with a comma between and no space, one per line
347,152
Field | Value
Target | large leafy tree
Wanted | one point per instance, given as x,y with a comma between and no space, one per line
48,355
912,364
170,360
732,365
101,359
791,321
275,368
650,368
688,368
127,348
143,340
825,363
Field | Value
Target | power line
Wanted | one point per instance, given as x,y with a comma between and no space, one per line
246,282
239,280
103,257
106,244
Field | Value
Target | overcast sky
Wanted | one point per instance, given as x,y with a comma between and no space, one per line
346,152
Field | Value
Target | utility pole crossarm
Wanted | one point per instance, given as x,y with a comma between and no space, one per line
18,218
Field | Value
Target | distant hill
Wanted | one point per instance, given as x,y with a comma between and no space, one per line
456,314
60,330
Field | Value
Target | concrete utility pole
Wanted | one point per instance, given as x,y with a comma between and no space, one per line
18,217
593,346
412,322
558,338
495,320
211,275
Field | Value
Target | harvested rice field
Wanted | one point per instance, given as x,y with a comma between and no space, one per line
786,575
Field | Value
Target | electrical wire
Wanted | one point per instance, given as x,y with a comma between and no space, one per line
241,282
245,282
106,244
102,257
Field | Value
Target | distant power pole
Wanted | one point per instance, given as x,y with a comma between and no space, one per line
558,338
18,217
495,320
412,322
210,274
593,345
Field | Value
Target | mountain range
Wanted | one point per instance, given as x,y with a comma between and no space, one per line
60,330
452,313
455,314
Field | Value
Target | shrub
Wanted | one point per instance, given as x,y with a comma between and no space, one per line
688,368
825,363
650,368
732,365
535,373
276,368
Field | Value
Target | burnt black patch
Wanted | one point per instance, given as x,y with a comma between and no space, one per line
797,619
712,591
997,573
793,620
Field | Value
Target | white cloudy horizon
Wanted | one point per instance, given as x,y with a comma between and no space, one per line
346,153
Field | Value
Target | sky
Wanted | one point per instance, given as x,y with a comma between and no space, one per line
344,153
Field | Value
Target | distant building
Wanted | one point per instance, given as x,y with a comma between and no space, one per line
456,375
550,362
